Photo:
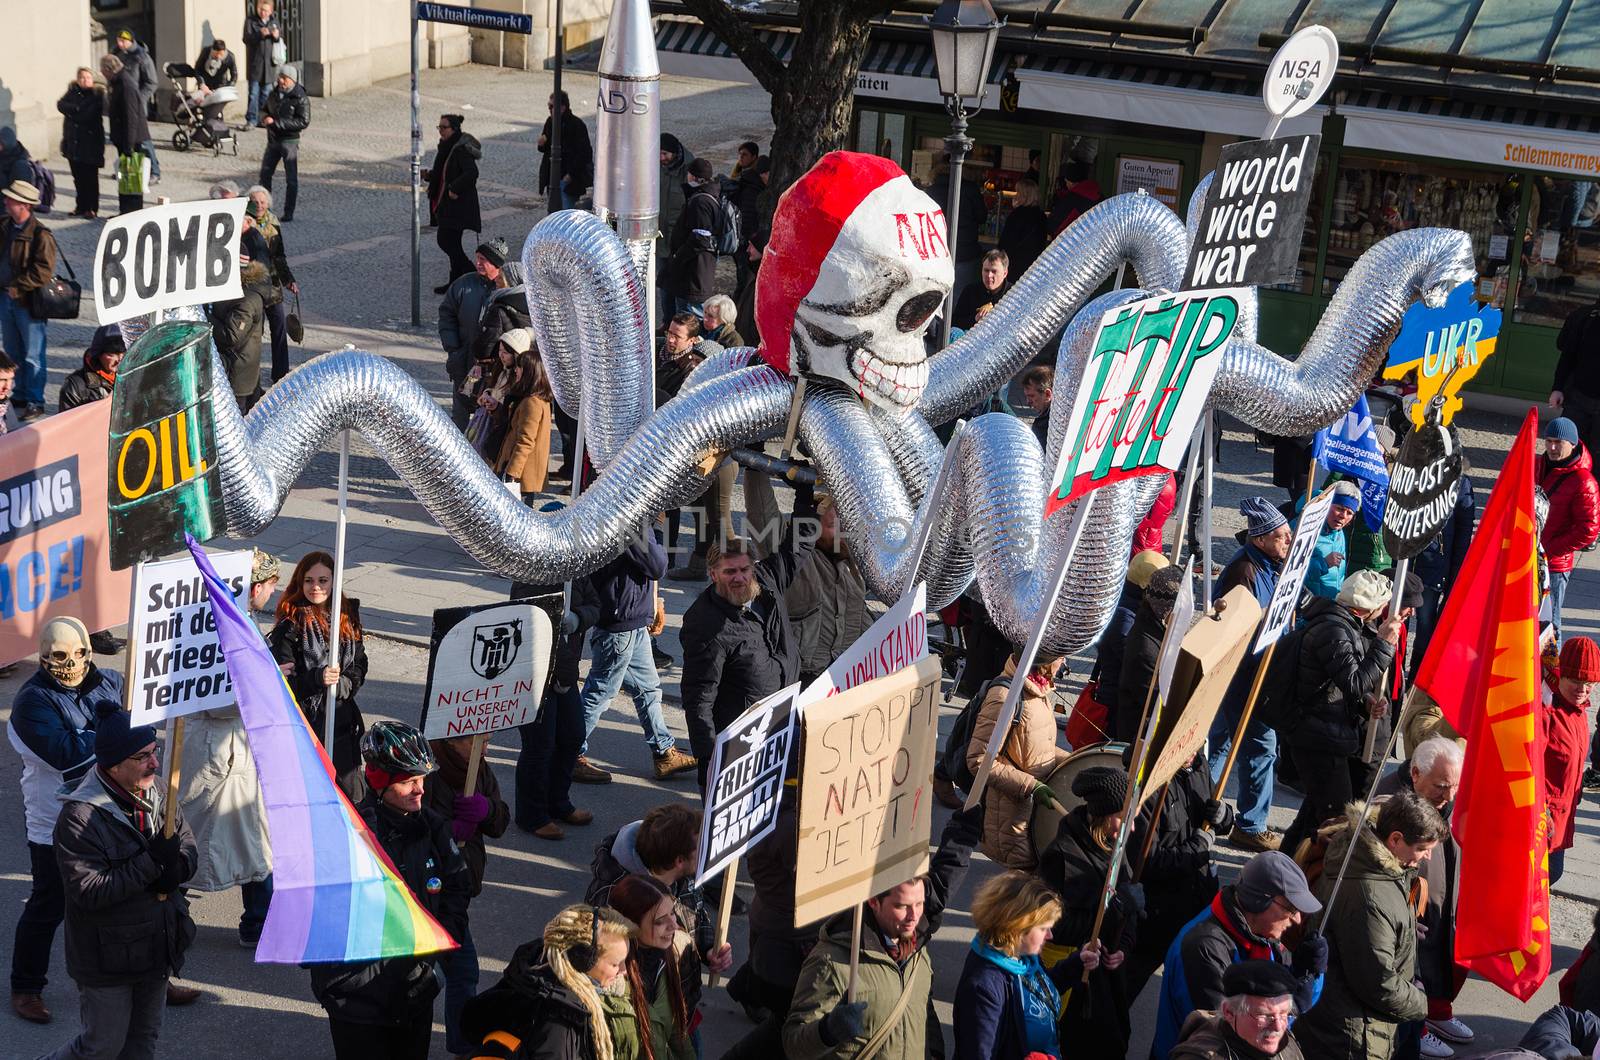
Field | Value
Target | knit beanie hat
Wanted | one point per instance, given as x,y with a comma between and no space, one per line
1145,564
1162,592
115,739
1102,789
1563,429
518,340
1260,516
1365,590
1580,659
495,251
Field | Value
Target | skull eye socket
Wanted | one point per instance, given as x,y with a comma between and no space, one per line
68,656
915,313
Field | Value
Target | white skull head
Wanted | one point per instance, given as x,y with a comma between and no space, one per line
64,651
885,271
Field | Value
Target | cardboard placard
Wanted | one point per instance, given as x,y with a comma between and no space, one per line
745,784
1254,214
1350,446
487,670
54,542
1422,490
865,790
1280,610
1142,390
899,638
165,257
1445,347
1212,652
177,665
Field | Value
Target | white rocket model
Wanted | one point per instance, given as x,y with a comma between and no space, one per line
627,190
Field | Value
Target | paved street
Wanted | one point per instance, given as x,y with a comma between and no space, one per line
349,245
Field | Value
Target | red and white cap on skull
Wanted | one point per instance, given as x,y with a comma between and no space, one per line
853,240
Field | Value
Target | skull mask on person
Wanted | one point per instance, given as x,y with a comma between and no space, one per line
856,266
64,651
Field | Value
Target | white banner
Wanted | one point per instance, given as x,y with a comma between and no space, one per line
177,663
488,671
745,784
895,641
1280,612
1178,624
164,257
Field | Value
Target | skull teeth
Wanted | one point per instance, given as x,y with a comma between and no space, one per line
896,384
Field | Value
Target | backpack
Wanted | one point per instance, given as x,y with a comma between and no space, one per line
1275,702
726,236
45,181
954,758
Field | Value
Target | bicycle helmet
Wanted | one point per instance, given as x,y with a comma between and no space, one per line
393,750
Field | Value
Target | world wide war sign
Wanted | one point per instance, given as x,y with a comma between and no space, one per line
866,790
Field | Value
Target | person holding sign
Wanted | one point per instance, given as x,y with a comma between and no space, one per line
1345,649
1028,756
300,644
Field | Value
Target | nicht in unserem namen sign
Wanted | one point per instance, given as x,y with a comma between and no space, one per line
488,669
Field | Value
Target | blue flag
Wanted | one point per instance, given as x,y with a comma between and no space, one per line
1351,446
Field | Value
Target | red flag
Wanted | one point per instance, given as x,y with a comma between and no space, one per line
1482,669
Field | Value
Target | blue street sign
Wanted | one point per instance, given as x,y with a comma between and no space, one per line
475,17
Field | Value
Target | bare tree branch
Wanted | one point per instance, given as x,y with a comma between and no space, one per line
746,43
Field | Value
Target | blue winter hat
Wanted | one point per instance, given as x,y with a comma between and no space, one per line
1563,429
1260,516
115,739
1347,494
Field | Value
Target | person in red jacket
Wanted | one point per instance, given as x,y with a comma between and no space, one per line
1148,535
1566,731
1566,474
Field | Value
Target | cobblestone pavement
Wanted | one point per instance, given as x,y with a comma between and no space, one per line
349,245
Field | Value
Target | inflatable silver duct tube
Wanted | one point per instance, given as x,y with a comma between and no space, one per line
1135,229
656,469
587,305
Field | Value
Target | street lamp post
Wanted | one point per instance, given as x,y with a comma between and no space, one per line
964,34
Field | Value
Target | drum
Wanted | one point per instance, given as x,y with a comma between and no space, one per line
1046,819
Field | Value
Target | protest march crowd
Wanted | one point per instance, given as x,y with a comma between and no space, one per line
1348,935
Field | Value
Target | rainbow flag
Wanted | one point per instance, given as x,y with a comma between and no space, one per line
335,894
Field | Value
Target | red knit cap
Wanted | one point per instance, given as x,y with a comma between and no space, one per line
1580,660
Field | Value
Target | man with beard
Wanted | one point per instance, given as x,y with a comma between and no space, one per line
1257,1007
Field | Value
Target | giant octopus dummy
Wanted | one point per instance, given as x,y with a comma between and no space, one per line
856,266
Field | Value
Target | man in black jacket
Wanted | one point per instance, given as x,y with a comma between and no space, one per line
284,115
1575,390
261,32
385,1007
1338,693
577,155
692,258
738,645
93,382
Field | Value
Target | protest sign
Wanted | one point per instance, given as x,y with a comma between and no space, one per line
176,663
1212,652
896,640
487,669
1300,72
1254,214
165,257
1444,347
164,479
1142,390
1280,610
1178,623
1350,446
865,798
54,544
1422,489
748,768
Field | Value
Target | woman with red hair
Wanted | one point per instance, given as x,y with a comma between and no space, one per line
662,972
300,644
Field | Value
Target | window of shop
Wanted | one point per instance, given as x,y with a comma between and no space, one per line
1560,251
881,133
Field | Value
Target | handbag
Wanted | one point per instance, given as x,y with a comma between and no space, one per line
280,53
60,298
1087,723
292,324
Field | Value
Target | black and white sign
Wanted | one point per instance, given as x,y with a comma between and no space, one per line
164,257
1300,72
475,18
748,768
488,669
1280,611
178,667
1422,490
1254,214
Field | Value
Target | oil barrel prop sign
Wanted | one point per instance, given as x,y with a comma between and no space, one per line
177,666
748,768
488,668
164,476
1422,486
167,257
54,544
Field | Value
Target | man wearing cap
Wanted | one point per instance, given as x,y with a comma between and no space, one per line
1566,474
461,315
1327,571
94,380
692,258
1257,1009
128,922
284,115
27,263
1347,646
137,57
1246,921
1565,721
1263,546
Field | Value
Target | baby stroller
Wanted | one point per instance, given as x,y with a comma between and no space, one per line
199,117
